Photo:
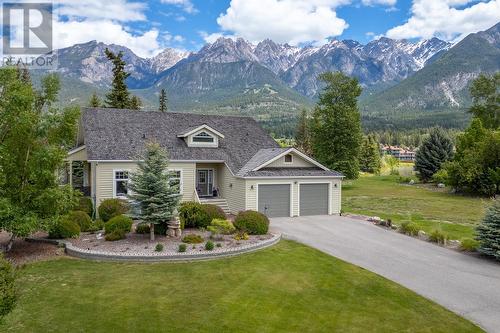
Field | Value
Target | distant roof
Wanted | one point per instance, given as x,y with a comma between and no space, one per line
115,134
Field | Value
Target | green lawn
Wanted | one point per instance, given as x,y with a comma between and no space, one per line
383,196
286,288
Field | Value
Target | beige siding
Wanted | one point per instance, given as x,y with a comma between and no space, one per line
78,156
104,178
231,188
297,162
335,192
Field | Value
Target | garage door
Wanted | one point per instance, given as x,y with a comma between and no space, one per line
313,199
274,200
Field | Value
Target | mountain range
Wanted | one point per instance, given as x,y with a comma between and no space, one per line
403,81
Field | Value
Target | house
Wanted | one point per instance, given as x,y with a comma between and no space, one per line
402,154
225,160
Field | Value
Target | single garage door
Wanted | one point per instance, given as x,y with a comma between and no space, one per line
313,199
274,200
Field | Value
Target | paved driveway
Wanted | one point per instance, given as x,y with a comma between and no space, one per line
464,284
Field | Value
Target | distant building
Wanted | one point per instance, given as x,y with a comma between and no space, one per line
402,154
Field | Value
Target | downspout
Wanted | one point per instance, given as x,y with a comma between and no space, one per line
93,166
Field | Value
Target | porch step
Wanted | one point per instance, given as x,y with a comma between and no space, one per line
222,203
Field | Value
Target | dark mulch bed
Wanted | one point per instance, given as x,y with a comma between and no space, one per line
23,252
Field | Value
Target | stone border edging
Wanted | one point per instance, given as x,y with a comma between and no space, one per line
154,257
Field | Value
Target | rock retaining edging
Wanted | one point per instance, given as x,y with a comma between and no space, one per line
161,256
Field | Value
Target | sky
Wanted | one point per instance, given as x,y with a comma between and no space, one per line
147,27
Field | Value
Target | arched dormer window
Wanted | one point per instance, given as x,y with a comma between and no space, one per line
203,137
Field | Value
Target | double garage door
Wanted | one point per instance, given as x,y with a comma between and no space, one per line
275,200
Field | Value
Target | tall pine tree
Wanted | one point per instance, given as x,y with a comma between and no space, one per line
336,131
152,188
303,134
119,96
369,157
163,101
432,153
488,232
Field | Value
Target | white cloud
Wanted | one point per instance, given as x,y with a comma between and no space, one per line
379,2
117,10
291,21
187,5
447,19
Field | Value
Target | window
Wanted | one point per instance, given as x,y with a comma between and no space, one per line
203,137
176,179
120,183
289,158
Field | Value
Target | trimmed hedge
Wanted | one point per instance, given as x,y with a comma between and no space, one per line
115,235
110,208
196,215
85,205
7,287
120,222
64,228
252,222
192,239
82,219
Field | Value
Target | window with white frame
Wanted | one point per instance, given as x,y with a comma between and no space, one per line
288,158
121,179
203,137
176,179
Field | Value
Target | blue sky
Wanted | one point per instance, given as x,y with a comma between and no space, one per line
149,26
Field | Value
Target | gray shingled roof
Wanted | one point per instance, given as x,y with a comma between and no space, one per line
114,134
293,172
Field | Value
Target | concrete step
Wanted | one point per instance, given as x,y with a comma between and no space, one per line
222,203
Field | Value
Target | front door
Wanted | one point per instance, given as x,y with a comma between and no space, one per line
204,182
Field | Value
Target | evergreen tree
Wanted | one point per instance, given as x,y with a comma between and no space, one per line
135,103
94,101
302,134
119,96
34,138
369,157
152,188
485,92
488,232
163,101
336,131
432,153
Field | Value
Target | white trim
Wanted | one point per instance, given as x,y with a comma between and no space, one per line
213,178
114,182
76,150
330,196
284,183
204,126
192,143
290,177
304,156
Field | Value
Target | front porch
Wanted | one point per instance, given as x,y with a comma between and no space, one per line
206,180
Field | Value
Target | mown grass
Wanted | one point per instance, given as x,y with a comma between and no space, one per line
384,196
287,288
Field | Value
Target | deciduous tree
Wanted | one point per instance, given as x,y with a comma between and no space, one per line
485,92
303,133
369,157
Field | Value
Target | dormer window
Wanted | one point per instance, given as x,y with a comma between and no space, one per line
288,158
203,137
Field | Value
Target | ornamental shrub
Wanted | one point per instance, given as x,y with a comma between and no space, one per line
182,247
142,228
213,212
195,215
432,153
469,245
209,246
252,222
110,208
159,247
437,236
117,234
64,227
192,239
82,219
85,205
7,287
223,227
120,222
488,232
409,228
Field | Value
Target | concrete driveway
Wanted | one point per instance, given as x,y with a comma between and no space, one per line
466,285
